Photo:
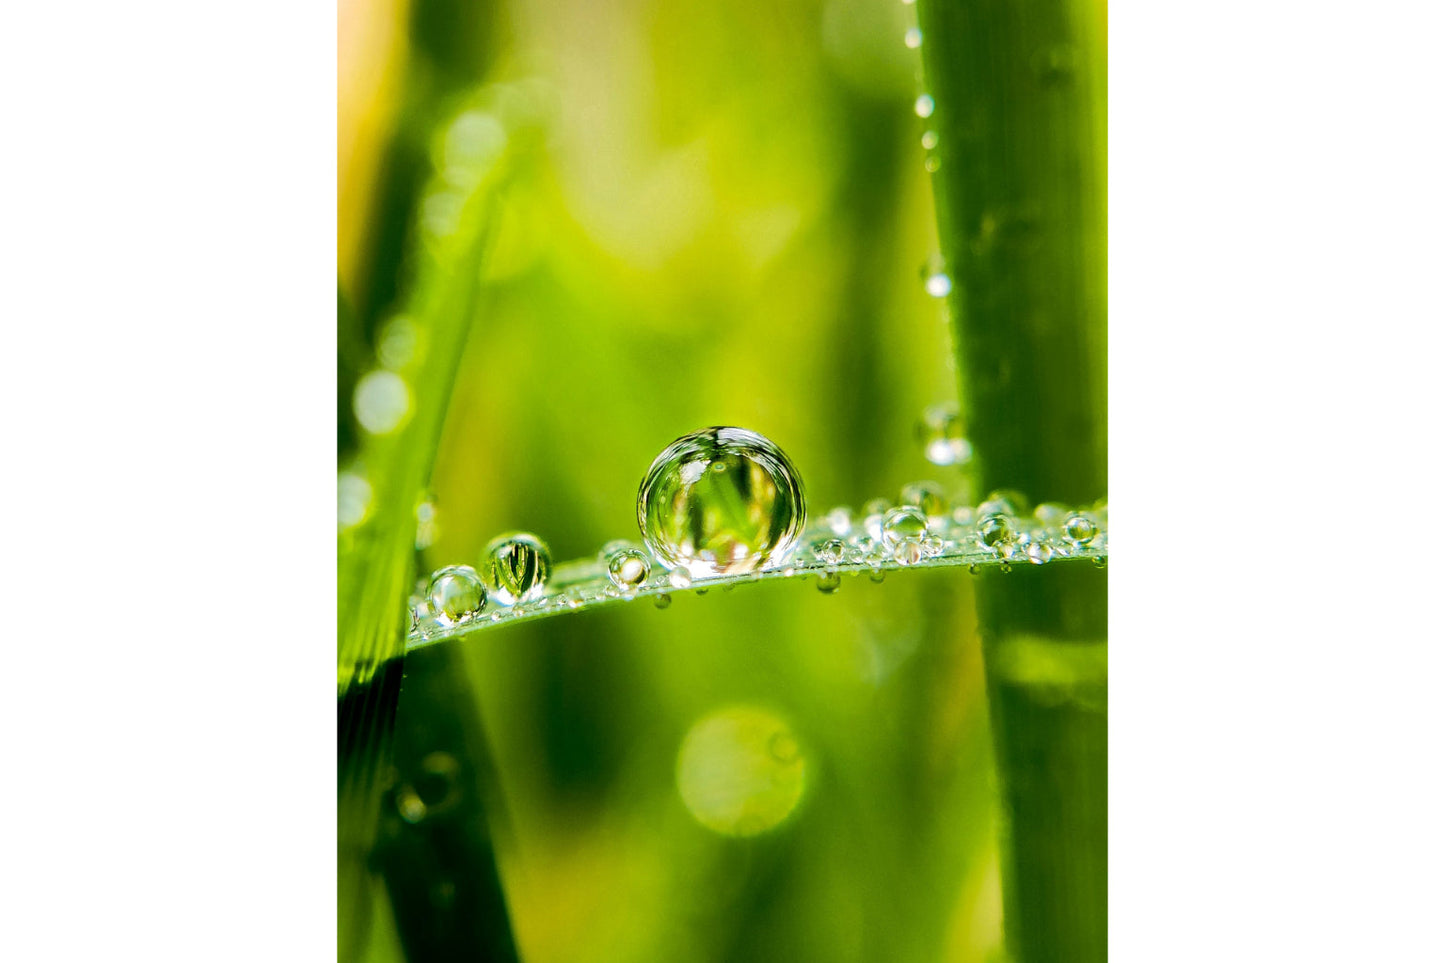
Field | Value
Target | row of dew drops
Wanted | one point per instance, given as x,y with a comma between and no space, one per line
925,526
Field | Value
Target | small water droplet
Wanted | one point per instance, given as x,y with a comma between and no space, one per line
925,495
877,575
930,139
627,567
455,594
938,285
1005,501
1005,568
940,431
829,551
516,567
1080,529
662,601
1039,552
913,38
828,582
839,520
679,578
907,523
712,522
932,546
381,401
428,526
923,106
995,530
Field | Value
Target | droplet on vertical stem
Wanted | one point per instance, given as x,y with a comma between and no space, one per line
938,285
516,567
923,106
913,38
721,501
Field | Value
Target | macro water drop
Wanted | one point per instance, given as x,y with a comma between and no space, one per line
627,566
1080,529
721,501
516,567
455,594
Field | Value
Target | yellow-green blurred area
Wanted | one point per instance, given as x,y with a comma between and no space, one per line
719,215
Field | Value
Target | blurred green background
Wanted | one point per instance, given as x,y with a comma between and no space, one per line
720,216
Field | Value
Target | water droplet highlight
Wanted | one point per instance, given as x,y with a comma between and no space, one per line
516,567
913,38
995,530
904,524
930,139
923,106
938,285
721,501
455,594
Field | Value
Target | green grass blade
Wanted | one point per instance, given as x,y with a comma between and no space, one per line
1019,96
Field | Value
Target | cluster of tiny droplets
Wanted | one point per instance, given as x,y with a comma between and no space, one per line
922,527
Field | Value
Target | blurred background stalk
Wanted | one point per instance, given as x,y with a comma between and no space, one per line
1019,93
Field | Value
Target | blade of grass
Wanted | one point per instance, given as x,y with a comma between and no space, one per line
375,559
1019,93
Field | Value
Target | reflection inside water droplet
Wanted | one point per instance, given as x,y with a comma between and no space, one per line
721,501
516,567
455,594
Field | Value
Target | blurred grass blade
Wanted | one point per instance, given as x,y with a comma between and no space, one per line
1019,94
375,557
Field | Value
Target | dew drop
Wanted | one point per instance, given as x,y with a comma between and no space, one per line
828,582
877,575
1006,502
913,38
516,567
907,523
925,495
938,285
455,594
627,567
721,501
923,106
427,526
996,530
930,139
1039,552
662,601
1080,529
839,520
941,432
829,551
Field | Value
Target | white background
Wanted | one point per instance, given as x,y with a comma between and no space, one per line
168,180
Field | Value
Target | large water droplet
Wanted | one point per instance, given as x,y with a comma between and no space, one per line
721,501
455,594
516,567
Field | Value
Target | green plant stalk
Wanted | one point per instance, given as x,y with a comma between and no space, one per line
376,559
1019,92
